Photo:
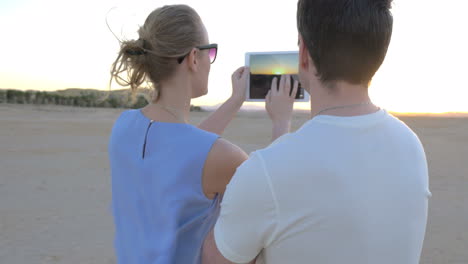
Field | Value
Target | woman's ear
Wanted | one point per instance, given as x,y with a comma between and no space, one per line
303,54
192,60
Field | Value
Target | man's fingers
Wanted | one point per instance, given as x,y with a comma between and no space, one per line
274,86
281,85
287,85
295,88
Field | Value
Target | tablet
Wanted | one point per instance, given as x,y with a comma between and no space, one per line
264,66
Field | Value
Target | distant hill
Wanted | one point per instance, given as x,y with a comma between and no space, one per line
80,91
121,98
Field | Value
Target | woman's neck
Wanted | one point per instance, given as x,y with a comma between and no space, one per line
172,104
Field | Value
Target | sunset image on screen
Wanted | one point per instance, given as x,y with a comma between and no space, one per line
274,64
264,67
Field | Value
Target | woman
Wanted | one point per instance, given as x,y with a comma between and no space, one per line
167,175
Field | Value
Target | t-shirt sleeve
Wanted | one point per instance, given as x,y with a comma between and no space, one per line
248,215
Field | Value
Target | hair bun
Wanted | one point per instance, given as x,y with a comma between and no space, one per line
135,47
135,52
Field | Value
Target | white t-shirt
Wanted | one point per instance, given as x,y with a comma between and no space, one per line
339,190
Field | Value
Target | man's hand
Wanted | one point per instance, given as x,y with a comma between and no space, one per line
279,104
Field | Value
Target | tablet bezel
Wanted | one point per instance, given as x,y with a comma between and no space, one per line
247,63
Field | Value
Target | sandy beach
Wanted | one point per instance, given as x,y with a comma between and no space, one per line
55,182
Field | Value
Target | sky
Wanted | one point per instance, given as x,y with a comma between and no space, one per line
57,44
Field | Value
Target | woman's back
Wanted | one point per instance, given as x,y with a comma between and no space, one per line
160,211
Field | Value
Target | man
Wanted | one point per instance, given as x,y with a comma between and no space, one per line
351,185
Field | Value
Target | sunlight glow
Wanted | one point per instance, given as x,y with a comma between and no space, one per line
278,71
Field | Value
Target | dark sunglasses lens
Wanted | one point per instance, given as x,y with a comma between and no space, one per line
212,54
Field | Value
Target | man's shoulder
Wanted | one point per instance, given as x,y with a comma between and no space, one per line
402,130
284,145
291,142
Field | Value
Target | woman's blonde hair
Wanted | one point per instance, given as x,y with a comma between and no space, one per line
169,33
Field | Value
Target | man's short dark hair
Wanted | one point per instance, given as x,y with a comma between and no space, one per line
347,39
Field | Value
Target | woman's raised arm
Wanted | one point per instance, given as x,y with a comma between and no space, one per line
219,120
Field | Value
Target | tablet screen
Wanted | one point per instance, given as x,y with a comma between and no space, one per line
264,67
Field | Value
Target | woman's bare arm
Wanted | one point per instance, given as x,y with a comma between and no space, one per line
211,254
219,120
220,166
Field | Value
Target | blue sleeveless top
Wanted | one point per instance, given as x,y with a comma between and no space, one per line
161,214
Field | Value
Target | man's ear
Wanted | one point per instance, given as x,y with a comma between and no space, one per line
192,60
303,54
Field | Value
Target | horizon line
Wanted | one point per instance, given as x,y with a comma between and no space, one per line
254,107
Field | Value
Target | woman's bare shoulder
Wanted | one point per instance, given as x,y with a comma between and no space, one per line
221,164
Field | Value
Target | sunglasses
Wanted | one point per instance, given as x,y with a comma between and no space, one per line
213,51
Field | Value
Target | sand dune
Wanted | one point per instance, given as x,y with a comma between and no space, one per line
54,182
